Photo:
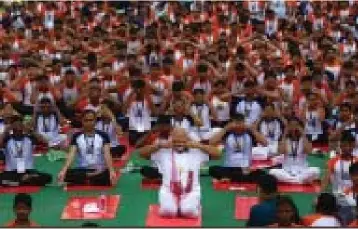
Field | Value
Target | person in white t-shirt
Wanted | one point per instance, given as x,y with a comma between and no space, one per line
179,162
238,140
295,147
271,125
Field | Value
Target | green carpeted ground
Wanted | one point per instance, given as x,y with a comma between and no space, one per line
218,207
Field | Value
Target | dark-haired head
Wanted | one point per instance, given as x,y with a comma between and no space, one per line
347,144
24,199
267,186
327,204
177,86
286,212
345,105
202,68
238,117
22,207
250,84
89,120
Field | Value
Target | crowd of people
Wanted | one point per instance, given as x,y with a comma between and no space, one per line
267,80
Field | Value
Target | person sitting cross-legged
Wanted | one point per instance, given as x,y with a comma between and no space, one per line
238,140
91,148
295,147
18,142
47,123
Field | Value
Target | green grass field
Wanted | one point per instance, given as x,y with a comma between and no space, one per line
218,207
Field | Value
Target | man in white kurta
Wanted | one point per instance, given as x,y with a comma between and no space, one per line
182,168
179,161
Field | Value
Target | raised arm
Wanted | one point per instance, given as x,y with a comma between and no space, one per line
217,138
258,136
147,151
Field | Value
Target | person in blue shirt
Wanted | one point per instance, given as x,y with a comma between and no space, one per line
264,213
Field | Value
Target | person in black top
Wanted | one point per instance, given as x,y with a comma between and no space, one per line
92,151
18,142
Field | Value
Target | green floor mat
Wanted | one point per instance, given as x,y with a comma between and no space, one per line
217,207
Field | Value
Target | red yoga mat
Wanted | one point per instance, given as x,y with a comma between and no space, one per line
20,189
243,205
73,208
155,220
230,186
151,183
305,188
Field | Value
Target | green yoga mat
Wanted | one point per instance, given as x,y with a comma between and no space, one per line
217,207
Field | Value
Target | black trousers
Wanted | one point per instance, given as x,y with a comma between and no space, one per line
12,178
134,136
150,172
118,151
235,174
79,176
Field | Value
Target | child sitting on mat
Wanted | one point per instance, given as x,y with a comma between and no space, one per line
295,147
179,162
22,208
18,142
91,148
238,139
